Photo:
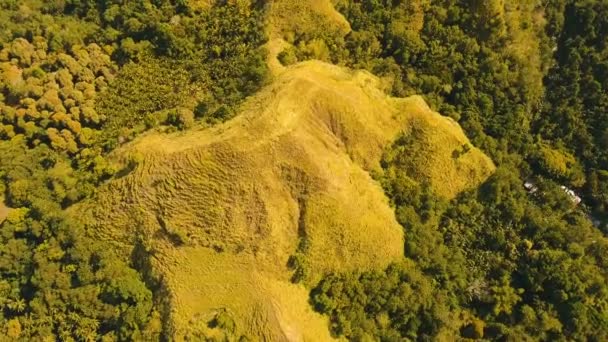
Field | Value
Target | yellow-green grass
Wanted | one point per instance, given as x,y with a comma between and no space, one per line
287,17
4,210
223,209
263,307
439,153
310,137
200,4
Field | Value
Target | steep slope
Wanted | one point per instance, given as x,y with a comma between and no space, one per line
434,150
227,215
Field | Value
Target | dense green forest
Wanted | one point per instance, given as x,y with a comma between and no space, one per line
505,263
82,77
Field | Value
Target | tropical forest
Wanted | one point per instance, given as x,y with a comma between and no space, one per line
304,170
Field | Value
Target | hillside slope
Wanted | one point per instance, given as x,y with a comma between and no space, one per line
228,215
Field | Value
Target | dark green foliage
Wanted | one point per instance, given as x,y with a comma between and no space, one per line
56,280
205,61
29,18
181,118
576,113
172,55
525,264
521,265
529,253
389,306
142,94
288,57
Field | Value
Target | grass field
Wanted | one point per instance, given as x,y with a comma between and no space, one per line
263,306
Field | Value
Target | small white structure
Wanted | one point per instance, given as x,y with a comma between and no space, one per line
573,196
530,187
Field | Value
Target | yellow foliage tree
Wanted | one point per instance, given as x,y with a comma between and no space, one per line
13,328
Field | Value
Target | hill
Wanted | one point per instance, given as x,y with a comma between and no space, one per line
227,216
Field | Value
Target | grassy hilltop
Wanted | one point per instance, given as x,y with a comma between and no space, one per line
280,192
